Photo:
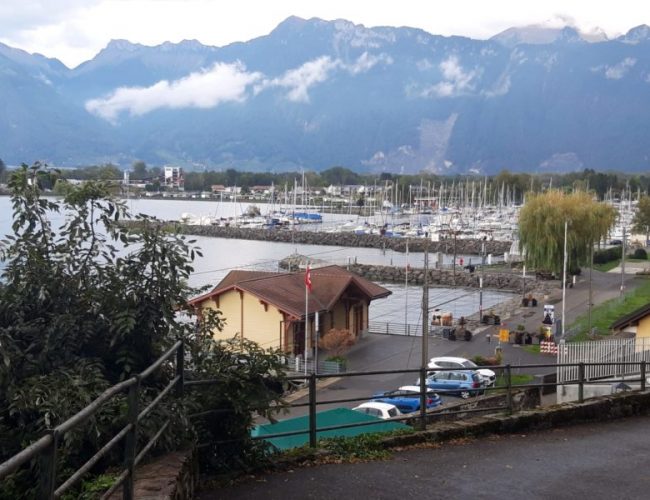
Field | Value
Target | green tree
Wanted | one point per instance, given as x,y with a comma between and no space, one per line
139,170
541,228
92,303
641,221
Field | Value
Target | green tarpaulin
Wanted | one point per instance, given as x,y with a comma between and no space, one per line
338,416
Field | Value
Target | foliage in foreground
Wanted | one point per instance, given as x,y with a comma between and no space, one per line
85,304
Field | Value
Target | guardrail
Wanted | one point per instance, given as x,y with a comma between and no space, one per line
46,447
422,415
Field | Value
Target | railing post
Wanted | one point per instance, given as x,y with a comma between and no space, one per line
48,468
180,370
581,382
509,388
312,410
643,367
423,398
131,441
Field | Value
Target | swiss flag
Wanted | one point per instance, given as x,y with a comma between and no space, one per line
308,278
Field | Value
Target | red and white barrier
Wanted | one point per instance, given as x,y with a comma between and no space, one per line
548,347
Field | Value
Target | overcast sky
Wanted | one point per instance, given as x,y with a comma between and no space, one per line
75,30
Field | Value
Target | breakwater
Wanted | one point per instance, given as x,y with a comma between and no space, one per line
461,278
449,246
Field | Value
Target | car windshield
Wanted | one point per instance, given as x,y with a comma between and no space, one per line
469,364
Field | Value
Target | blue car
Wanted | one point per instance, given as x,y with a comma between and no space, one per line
464,383
407,398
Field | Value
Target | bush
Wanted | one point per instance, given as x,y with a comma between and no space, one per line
607,255
640,254
337,341
78,316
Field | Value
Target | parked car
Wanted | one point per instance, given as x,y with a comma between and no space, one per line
380,410
407,398
487,375
464,383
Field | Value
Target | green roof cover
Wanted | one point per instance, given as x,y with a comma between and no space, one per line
337,416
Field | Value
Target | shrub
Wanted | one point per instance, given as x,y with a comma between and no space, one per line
607,255
640,254
337,341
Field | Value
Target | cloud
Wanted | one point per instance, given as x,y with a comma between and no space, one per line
300,80
365,62
619,70
455,80
204,89
30,14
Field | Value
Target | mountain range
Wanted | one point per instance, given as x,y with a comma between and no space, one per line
314,94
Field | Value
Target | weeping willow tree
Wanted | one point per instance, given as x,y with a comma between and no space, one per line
541,228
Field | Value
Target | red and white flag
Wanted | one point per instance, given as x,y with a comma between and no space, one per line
308,278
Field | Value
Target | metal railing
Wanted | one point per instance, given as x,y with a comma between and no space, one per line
388,328
608,357
46,448
422,415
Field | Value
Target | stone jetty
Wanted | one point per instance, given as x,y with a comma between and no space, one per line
345,239
462,278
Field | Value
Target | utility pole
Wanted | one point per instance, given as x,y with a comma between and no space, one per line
425,309
406,290
480,283
591,267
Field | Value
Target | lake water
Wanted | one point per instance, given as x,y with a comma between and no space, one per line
222,255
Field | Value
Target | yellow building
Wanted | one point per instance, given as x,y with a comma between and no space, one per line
637,322
269,308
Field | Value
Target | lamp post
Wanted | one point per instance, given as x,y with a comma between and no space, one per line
566,227
623,264
425,309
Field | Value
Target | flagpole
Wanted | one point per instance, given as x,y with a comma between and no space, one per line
306,320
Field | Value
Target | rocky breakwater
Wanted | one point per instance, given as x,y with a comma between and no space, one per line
466,247
462,278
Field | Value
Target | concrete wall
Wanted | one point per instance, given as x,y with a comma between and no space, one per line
570,393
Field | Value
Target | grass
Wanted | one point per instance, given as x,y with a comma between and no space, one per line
532,348
607,266
603,315
517,379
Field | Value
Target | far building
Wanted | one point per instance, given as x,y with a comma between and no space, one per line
174,178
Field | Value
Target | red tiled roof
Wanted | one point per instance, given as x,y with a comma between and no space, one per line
286,291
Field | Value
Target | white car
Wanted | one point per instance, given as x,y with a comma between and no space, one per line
488,377
380,410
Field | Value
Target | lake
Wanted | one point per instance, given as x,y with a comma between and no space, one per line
222,255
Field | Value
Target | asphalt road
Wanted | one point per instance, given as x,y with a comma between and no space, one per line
595,461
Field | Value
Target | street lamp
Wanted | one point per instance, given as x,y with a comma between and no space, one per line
566,227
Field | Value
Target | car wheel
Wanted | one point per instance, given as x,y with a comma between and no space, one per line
465,394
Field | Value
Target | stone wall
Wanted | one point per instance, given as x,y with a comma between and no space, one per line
523,399
172,476
345,239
